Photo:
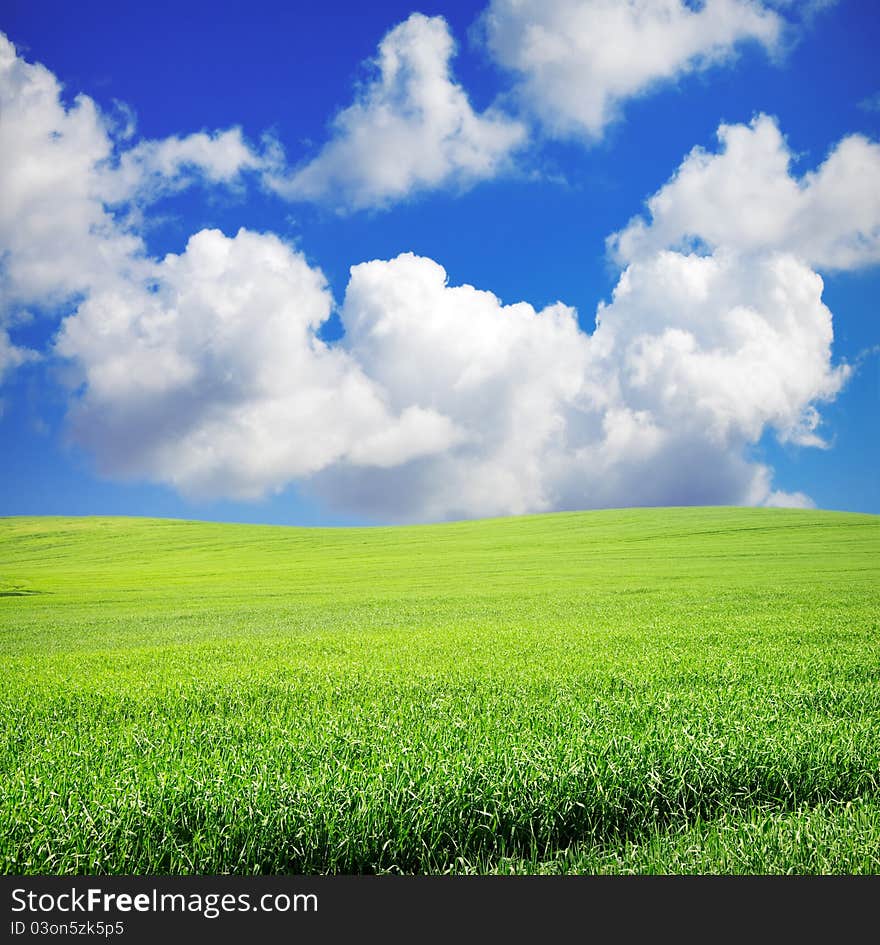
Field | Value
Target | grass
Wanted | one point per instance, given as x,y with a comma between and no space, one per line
670,690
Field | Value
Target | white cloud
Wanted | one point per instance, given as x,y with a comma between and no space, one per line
11,355
63,166
410,129
724,345
443,402
210,376
205,370
152,168
503,374
578,61
789,500
745,198
56,236
691,362
65,169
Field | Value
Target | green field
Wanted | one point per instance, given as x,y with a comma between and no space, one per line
675,690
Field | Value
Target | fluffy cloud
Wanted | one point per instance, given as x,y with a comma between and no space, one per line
65,170
68,188
692,360
504,375
724,346
11,356
695,357
410,129
210,377
152,168
205,370
443,402
577,61
56,235
745,198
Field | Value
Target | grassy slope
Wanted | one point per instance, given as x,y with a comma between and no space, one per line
646,690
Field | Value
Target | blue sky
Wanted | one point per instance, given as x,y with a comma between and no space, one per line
251,376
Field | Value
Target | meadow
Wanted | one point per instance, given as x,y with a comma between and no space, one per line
655,690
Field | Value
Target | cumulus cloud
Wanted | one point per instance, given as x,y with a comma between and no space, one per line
725,346
745,198
443,402
70,185
501,374
151,169
578,61
690,362
697,355
63,169
789,500
205,369
56,235
11,355
211,376
410,129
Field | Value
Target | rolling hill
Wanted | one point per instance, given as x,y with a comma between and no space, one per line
647,690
